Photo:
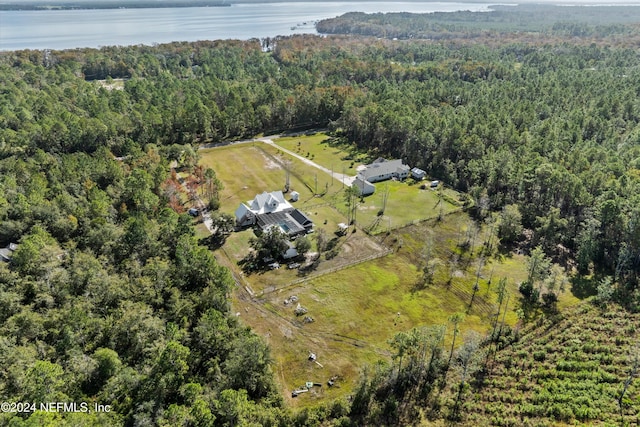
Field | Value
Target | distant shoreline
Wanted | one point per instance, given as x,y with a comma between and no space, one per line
43,5
117,4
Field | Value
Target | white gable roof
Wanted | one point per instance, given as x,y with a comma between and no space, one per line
269,202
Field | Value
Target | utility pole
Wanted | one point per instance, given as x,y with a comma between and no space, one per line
385,197
287,179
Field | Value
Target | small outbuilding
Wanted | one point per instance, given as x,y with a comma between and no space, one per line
434,184
343,228
295,196
363,186
418,174
7,253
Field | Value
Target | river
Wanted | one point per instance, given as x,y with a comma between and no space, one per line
68,29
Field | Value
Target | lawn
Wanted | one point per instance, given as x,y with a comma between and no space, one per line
325,151
406,203
246,170
357,309
251,168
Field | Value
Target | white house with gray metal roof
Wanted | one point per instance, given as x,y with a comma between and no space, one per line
381,170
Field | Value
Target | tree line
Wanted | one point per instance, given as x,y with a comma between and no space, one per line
596,22
110,297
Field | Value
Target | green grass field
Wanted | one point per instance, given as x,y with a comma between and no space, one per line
405,204
246,170
326,152
358,309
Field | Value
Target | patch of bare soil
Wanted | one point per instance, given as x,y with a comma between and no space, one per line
115,84
358,246
269,163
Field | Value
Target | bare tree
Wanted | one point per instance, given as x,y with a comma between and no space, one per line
468,360
634,359
429,263
351,195
476,285
456,319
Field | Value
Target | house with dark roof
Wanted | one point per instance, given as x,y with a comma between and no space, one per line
271,209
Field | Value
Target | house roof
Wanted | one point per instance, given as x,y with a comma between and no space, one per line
364,187
418,171
301,218
269,202
280,219
361,183
379,168
242,211
6,253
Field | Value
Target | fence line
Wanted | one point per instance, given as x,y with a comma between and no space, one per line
237,278
319,205
370,232
328,271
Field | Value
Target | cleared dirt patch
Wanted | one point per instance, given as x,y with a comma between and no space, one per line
113,84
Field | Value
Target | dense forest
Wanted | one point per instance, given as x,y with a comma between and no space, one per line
110,298
510,21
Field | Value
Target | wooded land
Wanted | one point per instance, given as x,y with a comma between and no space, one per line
110,298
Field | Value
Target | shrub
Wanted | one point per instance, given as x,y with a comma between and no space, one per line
560,412
584,413
529,293
539,356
